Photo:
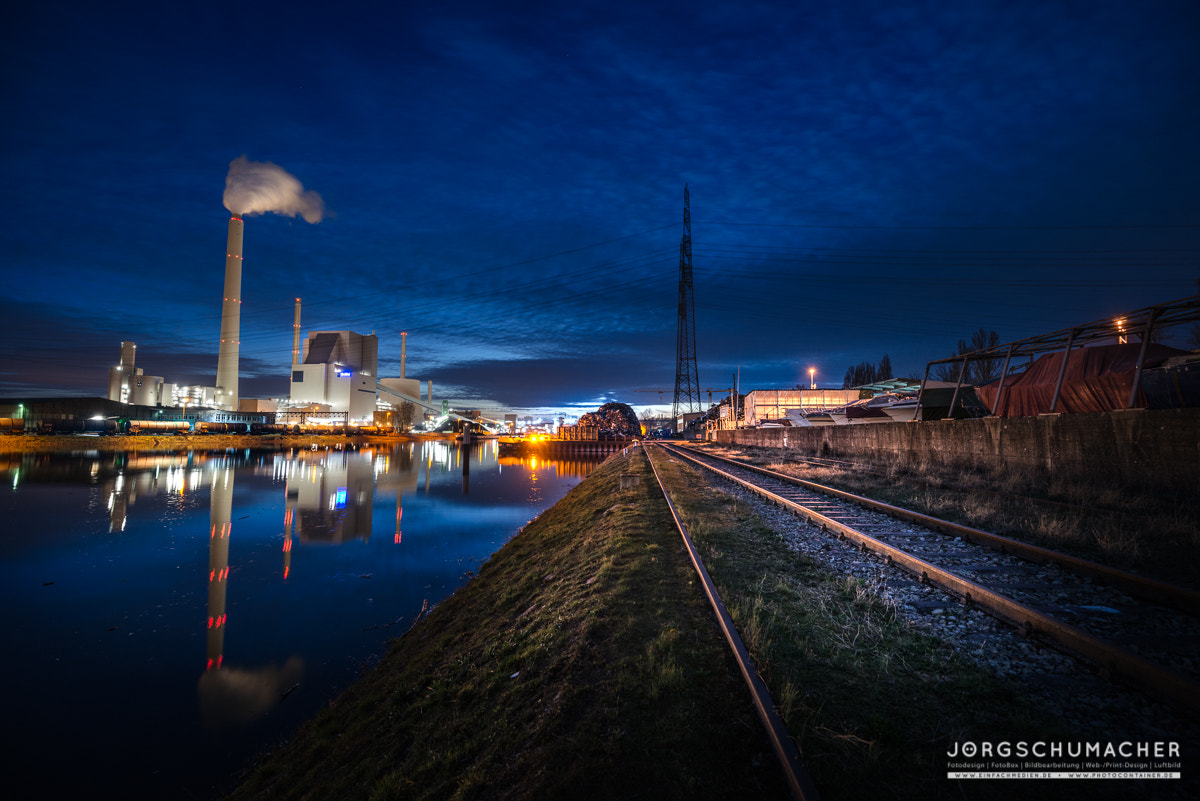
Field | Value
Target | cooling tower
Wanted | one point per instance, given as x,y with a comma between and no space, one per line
231,320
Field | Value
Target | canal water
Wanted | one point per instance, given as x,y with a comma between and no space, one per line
172,615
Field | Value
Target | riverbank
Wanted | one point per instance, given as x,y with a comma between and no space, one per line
181,443
583,661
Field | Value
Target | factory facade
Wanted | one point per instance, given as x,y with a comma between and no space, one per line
128,384
339,370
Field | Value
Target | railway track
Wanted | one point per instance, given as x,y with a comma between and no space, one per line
800,784
1142,632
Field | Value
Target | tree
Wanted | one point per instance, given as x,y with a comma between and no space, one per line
867,373
884,371
979,371
404,416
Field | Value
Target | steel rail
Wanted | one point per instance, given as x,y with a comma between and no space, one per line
1162,682
799,782
1180,598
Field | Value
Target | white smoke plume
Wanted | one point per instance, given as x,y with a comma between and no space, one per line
257,187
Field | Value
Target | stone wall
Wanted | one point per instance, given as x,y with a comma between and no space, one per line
1147,449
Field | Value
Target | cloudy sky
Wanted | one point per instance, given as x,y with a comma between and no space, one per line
504,181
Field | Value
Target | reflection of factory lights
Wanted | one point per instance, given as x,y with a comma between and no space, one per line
177,480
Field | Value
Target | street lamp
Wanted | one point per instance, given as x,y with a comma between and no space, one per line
812,378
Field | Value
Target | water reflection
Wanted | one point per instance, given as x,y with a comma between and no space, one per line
330,499
220,518
202,589
234,696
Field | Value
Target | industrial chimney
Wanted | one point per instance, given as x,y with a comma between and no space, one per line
296,337
231,320
403,346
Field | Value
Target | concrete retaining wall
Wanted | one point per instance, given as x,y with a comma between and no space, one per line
1150,449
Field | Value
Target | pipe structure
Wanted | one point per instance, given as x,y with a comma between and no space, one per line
231,320
403,350
296,336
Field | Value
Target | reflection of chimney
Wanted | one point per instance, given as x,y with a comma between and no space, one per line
231,319
296,336
403,349
220,514
400,511
288,518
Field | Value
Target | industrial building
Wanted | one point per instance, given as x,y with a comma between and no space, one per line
128,384
772,405
339,369
334,380
334,374
762,405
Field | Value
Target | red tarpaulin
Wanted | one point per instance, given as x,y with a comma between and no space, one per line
1097,379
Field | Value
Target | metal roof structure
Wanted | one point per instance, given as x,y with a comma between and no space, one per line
891,385
1142,323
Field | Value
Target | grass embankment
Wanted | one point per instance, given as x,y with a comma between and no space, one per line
583,662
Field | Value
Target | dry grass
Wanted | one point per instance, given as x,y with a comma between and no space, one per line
1112,525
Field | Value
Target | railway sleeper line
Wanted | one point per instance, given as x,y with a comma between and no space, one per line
800,784
1047,596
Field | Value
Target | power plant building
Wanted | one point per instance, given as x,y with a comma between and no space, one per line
334,377
338,369
128,384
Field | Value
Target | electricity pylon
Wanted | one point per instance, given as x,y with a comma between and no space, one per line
687,379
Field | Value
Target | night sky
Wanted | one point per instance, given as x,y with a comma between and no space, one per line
504,181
